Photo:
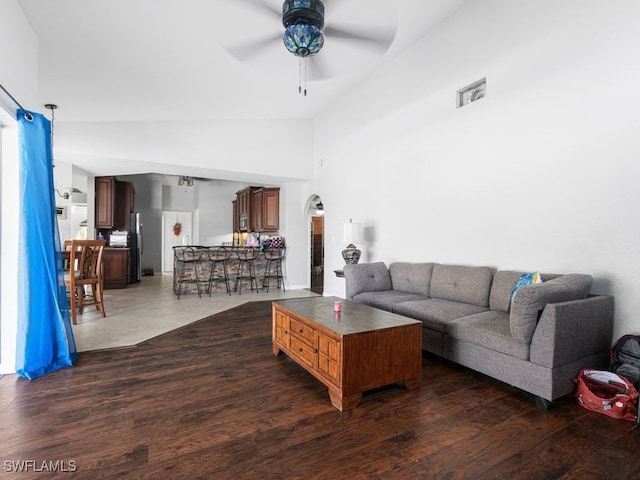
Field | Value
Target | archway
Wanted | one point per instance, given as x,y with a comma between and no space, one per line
316,254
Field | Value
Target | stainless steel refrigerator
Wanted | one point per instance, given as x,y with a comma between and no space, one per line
136,248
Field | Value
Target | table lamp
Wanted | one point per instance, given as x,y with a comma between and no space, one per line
351,234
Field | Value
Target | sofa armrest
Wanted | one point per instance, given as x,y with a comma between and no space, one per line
530,300
366,277
569,331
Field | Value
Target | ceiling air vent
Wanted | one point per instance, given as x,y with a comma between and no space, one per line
471,93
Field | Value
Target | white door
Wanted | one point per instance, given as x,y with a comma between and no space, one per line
177,230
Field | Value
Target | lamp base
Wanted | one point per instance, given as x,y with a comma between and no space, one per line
351,254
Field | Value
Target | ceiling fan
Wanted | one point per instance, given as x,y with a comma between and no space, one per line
305,32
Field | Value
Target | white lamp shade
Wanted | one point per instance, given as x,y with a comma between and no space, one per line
352,233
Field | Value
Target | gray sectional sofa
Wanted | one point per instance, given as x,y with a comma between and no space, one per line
538,342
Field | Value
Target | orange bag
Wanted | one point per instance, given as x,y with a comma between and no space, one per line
607,393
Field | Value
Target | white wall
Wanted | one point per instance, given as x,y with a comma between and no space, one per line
542,174
9,247
294,227
230,148
216,212
18,57
18,74
62,174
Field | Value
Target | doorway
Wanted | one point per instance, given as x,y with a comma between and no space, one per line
317,254
176,230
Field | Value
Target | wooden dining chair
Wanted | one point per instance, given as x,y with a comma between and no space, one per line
85,271
66,254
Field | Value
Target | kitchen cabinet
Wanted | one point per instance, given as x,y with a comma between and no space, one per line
114,203
105,201
244,201
255,223
257,209
236,215
270,210
115,265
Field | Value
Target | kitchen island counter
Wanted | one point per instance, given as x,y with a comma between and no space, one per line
199,258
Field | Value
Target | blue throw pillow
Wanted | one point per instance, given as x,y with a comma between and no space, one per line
526,279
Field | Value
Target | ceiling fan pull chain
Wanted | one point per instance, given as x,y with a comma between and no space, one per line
305,76
299,74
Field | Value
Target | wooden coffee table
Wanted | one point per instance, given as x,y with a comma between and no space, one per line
358,349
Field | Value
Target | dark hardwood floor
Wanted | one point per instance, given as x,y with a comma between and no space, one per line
211,401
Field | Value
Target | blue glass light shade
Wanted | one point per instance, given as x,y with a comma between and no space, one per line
309,12
303,40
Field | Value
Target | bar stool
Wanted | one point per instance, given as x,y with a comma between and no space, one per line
246,268
185,262
218,256
273,257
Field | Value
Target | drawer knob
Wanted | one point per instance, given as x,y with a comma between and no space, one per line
300,331
299,349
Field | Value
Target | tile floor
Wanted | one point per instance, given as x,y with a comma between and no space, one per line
150,308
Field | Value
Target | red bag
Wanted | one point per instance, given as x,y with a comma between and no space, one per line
607,393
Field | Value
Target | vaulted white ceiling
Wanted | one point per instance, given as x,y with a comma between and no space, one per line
128,65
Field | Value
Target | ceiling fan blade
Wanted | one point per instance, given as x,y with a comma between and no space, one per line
247,50
260,5
334,4
318,68
376,38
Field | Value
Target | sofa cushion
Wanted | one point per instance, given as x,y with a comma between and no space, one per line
530,300
436,313
411,277
366,277
462,284
503,283
489,330
386,300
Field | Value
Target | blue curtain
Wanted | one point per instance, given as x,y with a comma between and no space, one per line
45,339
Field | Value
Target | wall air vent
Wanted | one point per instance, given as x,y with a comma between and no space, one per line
471,93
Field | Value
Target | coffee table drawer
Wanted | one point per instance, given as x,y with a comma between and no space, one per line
302,330
302,351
